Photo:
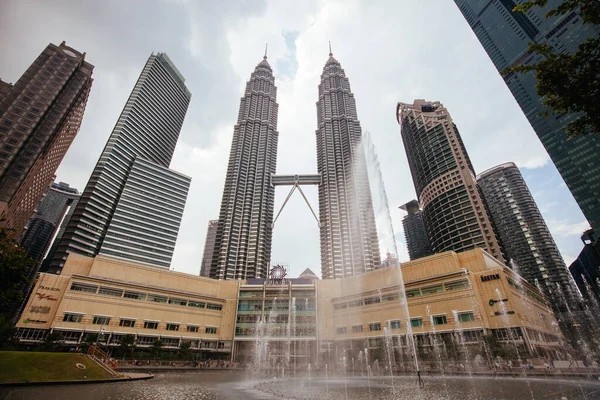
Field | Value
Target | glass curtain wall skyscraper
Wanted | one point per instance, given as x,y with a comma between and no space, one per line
244,231
505,36
39,118
132,205
349,244
415,233
526,239
454,210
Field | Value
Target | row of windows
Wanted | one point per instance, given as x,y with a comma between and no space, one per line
130,323
129,294
414,323
414,292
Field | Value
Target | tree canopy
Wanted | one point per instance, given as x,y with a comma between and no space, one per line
14,274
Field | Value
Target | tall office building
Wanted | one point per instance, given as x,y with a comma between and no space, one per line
56,206
132,205
244,231
415,233
505,36
39,118
525,237
454,211
349,244
209,247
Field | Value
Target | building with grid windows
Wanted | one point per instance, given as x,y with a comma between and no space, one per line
349,244
40,115
526,240
209,247
505,36
132,205
454,210
415,233
56,207
299,321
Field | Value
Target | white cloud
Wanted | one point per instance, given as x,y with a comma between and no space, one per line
565,228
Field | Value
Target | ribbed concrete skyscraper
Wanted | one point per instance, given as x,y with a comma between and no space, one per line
132,205
244,231
524,234
349,244
454,210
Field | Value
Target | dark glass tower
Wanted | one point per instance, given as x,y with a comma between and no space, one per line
524,234
415,233
454,211
244,231
132,205
505,36
349,244
209,247
57,205
39,118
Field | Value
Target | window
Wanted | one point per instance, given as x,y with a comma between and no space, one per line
413,293
101,320
192,328
172,326
84,287
457,285
134,295
179,302
439,319
375,326
127,323
466,317
372,300
212,306
395,324
432,289
72,317
150,324
196,304
357,328
210,330
416,322
157,299
340,330
108,291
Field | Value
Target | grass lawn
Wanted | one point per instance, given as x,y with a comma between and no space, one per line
25,366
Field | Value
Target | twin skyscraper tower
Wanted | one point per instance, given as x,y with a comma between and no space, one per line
349,244
132,205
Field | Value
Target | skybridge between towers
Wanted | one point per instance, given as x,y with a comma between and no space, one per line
295,181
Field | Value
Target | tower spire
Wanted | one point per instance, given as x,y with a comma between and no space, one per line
266,47
330,53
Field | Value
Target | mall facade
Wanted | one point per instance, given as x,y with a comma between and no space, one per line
449,296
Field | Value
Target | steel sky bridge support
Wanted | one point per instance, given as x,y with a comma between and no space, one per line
295,181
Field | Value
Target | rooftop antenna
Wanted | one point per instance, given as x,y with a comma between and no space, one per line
266,47
330,53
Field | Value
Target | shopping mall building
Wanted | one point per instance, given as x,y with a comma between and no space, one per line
449,296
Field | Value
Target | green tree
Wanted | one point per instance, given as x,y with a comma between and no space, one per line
156,349
128,345
52,342
569,83
15,268
185,350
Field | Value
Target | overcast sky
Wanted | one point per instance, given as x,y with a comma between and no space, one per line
391,51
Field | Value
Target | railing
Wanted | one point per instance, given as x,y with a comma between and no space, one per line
103,359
